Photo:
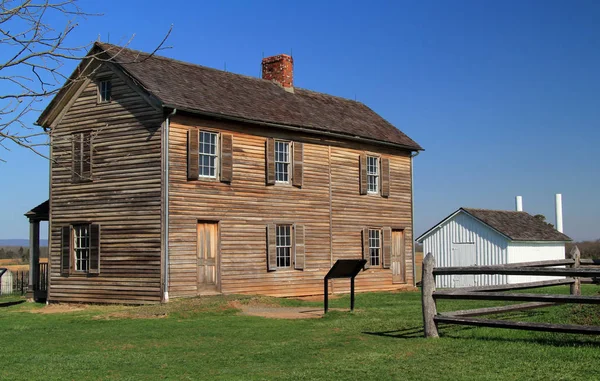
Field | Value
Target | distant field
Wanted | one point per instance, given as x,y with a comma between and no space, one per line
17,264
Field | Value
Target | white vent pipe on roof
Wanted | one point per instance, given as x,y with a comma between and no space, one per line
519,203
559,217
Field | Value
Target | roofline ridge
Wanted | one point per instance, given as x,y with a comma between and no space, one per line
494,210
228,72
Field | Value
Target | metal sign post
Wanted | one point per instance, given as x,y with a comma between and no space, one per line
343,268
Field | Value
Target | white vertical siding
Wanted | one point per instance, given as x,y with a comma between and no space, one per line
533,251
491,247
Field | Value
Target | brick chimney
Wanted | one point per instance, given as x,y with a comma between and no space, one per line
279,69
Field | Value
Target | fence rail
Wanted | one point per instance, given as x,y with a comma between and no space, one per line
429,295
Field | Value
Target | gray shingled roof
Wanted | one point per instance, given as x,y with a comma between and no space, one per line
518,226
197,88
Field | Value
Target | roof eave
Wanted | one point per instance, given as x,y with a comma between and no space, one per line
422,237
310,130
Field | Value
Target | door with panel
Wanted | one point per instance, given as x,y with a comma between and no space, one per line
208,258
398,257
464,254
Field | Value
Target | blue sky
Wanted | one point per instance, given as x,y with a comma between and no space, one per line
503,95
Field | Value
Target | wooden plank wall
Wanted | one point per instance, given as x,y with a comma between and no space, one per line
245,206
125,197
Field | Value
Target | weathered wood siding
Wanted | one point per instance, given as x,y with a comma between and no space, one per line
124,196
244,208
352,211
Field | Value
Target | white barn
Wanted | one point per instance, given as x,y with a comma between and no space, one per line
480,237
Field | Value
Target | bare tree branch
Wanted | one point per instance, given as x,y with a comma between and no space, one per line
35,51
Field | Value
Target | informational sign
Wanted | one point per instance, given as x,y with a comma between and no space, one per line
343,268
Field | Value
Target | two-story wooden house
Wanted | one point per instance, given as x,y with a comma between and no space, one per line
170,179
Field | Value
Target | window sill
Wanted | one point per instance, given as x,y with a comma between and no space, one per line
83,181
80,274
285,269
207,178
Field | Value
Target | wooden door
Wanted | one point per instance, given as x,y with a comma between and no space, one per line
208,257
398,257
463,254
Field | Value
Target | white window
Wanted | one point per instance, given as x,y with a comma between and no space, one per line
375,246
104,91
284,245
372,174
282,162
81,247
208,154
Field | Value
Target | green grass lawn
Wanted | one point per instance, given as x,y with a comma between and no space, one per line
205,338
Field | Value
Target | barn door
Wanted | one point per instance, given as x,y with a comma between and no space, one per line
463,254
398,257
208,257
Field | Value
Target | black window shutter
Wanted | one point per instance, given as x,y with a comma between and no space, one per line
193,165
385,177
362,168
270,161
65,251
226,158
387,248
298,163
365,242
94,249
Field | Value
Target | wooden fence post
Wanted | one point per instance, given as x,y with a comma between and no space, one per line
575,254
427,301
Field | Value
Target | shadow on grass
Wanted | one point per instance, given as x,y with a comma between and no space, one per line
414,332
559,341
455,332
12,303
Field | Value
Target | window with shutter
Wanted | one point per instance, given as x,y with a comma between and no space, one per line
80,249
82,156
104,91
210,155
285,247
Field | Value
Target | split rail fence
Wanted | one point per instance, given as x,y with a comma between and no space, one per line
572,268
